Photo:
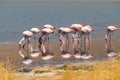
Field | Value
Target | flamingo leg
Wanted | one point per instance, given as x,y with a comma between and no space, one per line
48,44
81,42
73,40
20,42
88,42
78,41
62,44
84,43
112,41
41,45
76,44
34,46
20,53
25,44
107,40
29,46
67,42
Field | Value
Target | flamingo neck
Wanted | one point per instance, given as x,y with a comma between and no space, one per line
20,42
21,54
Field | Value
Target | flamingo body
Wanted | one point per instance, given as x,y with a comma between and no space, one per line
87,29
35,30
112,28
47,31
49,26
27,34
64,30
76,27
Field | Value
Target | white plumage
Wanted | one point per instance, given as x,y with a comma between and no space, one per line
35,30
76,26
49,26
27,34
87,29
47,31
65,30
112,28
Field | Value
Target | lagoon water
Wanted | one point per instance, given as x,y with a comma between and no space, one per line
17,17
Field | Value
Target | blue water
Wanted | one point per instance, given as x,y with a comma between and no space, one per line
17,17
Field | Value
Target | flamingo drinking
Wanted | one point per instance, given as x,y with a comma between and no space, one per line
26,35
64,39
108,37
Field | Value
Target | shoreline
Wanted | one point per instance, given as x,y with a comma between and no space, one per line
97,48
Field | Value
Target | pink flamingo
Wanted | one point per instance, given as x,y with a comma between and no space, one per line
108,37
86,32
34,52
46,53
64,39
76,39
26,35
49,26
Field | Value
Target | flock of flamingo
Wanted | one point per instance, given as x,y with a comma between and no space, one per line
80,36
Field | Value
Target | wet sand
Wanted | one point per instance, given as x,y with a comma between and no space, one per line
97,48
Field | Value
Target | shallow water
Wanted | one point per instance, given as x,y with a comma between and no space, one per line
17,17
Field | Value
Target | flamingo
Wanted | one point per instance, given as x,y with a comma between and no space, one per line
76,39
34,53
46,53
86,32
64,39
109,33
49,26
26,35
